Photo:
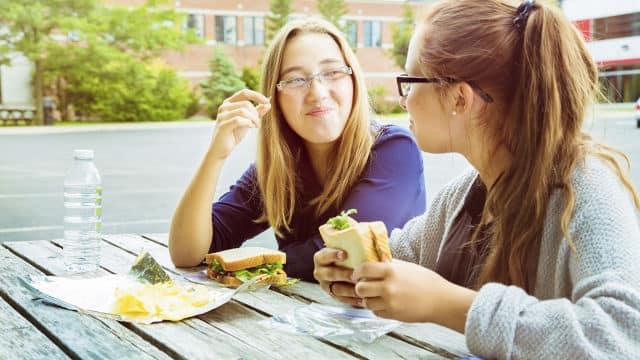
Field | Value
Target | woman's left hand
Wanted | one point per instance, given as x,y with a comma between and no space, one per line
408,292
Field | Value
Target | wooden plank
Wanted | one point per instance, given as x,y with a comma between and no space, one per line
233,318
436,338
160,238
271,303
19,333
77,335
188,339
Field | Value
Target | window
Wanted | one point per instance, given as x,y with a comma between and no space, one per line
226,29
253,30
352,32
616,26
372,33
195,22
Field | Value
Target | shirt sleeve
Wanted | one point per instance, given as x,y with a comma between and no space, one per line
233,215
391,190
592,306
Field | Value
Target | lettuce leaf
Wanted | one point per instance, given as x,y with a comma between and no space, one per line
341,221
266,269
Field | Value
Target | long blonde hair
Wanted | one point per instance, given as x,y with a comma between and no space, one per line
279,146
543,78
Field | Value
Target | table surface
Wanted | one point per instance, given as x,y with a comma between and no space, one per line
33,330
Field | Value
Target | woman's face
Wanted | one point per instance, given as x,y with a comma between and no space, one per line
430,120
319,112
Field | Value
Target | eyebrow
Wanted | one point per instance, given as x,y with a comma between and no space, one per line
298,68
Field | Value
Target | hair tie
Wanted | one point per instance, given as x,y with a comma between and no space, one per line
522,14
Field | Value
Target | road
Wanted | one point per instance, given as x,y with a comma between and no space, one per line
146,167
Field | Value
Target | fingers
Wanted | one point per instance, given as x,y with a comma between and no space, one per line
249,95
375,304
250,114
370,289
328,256
341,291
372,270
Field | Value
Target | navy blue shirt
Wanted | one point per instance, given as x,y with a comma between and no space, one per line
391,189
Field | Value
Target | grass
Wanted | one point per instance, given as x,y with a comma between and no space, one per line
82,123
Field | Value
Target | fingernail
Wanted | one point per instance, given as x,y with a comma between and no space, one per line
341,255
354,278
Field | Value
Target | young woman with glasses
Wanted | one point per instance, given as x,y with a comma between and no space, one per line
535,251
318,154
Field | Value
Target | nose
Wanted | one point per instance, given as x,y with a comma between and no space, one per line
403,102
317,88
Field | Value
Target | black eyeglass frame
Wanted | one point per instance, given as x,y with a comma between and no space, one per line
405,78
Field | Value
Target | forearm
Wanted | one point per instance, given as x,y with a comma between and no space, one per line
191,227
458,302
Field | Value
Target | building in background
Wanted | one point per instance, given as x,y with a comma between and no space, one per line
239,26
612,29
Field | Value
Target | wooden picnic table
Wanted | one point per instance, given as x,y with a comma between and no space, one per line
33,330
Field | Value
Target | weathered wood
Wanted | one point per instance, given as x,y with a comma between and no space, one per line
188,339
272,303
160,238
20,339
438,339
77,335
232,318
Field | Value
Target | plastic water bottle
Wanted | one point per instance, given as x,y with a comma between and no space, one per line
82,214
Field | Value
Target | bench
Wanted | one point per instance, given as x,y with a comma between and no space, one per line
16,115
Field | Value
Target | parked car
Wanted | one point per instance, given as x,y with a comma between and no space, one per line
638,113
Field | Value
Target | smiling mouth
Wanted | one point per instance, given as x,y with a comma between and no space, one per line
319,112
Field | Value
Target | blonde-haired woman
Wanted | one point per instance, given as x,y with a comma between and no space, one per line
534,253
318,153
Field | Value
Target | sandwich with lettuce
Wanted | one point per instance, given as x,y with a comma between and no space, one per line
362,241
235,266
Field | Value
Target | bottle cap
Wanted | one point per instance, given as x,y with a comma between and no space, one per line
83,154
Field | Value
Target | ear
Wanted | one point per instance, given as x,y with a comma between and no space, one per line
464,98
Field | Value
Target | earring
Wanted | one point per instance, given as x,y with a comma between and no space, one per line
454,113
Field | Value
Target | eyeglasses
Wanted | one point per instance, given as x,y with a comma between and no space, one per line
304,83
404,85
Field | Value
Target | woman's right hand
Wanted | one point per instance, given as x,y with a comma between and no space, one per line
236,115
335,280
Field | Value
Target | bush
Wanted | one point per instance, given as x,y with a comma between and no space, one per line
128,90
251,77
382,104
223,82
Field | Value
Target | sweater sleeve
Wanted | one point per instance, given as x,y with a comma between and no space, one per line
598,314
234,213
394,176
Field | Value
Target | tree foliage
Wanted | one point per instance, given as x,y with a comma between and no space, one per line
333,11
401,35
78,47
280,10
223,82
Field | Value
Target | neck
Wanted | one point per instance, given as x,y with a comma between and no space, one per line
489,159
319,155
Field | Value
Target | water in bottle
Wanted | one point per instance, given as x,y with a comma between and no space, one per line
83,214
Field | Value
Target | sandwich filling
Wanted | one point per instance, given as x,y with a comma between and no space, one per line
272,269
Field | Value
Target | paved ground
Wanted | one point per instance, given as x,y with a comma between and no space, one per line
145,168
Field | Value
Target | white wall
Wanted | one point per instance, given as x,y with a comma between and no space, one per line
16,81
615,49
591,9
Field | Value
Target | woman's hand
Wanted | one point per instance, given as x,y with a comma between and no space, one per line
236,115
336,280
408,292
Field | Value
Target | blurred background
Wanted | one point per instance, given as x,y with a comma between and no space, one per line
140,81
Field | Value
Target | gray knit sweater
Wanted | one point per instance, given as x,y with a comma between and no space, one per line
586,304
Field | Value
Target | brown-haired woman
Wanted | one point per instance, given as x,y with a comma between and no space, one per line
535,253
318,153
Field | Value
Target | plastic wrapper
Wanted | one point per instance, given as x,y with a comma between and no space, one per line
341,324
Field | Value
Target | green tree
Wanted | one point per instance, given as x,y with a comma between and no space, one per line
28,29
278,16
333,11
251,77
401,35
223,82
30,25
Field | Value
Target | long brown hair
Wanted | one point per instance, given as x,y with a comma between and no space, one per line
279,146
542,78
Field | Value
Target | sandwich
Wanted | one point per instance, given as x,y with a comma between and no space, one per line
362,241
235,266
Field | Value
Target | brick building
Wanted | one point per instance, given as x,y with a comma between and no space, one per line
239,26
612,29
